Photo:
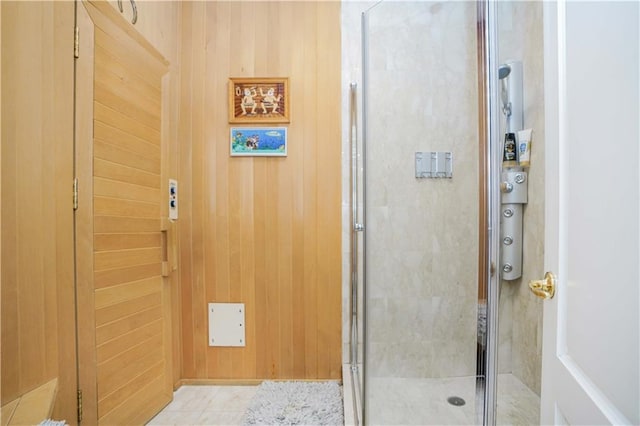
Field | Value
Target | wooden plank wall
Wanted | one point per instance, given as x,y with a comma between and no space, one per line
262,231
38,323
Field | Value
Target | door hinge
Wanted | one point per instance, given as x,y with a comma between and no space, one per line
76,43
75,194
79,405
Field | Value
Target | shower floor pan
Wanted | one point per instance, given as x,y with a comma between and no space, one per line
398,401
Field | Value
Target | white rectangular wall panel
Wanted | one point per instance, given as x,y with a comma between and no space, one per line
226,324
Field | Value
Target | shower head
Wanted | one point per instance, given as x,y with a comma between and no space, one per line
503,71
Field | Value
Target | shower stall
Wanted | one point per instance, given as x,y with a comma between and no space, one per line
429,324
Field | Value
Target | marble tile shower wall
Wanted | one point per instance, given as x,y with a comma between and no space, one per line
521,38
421,233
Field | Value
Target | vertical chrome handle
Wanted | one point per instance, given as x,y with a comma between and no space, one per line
353,139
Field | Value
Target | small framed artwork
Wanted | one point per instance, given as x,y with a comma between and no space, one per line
259,141
259,100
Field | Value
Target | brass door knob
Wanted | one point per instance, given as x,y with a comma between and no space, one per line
546,288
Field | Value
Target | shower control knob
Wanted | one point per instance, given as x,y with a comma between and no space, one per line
507,267
506,187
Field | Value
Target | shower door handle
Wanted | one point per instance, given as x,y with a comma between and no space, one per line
545,288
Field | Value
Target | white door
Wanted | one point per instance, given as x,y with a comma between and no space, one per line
591,356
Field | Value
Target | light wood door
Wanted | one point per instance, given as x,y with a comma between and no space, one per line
591,329
124,301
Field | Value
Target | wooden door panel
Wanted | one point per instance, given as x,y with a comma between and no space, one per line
117,155
104,224
146,396
127,125
119,172
126,241
125,258
141,84
115,399
112,277
111,349
107,133
129,307
117,371
128,353
125,325
119,101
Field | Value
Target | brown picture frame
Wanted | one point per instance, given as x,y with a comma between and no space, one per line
259,100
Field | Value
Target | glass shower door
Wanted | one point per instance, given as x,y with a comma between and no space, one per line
421,241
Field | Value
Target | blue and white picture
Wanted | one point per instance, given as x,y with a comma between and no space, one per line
265,141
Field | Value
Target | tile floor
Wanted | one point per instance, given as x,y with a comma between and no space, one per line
394,402
206,405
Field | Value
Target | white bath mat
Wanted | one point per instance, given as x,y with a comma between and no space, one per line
296,403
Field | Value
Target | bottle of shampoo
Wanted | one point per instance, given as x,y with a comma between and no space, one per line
509,158
524,147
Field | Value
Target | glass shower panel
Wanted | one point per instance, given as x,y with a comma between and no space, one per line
421,240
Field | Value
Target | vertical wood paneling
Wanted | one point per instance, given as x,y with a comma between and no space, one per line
10,327
38,325
200,253
66,403
310,199
186,198
167,28
262,231
30,250
260,237
215,360
297,51
328,156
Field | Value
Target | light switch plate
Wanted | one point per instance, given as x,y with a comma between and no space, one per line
173,199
